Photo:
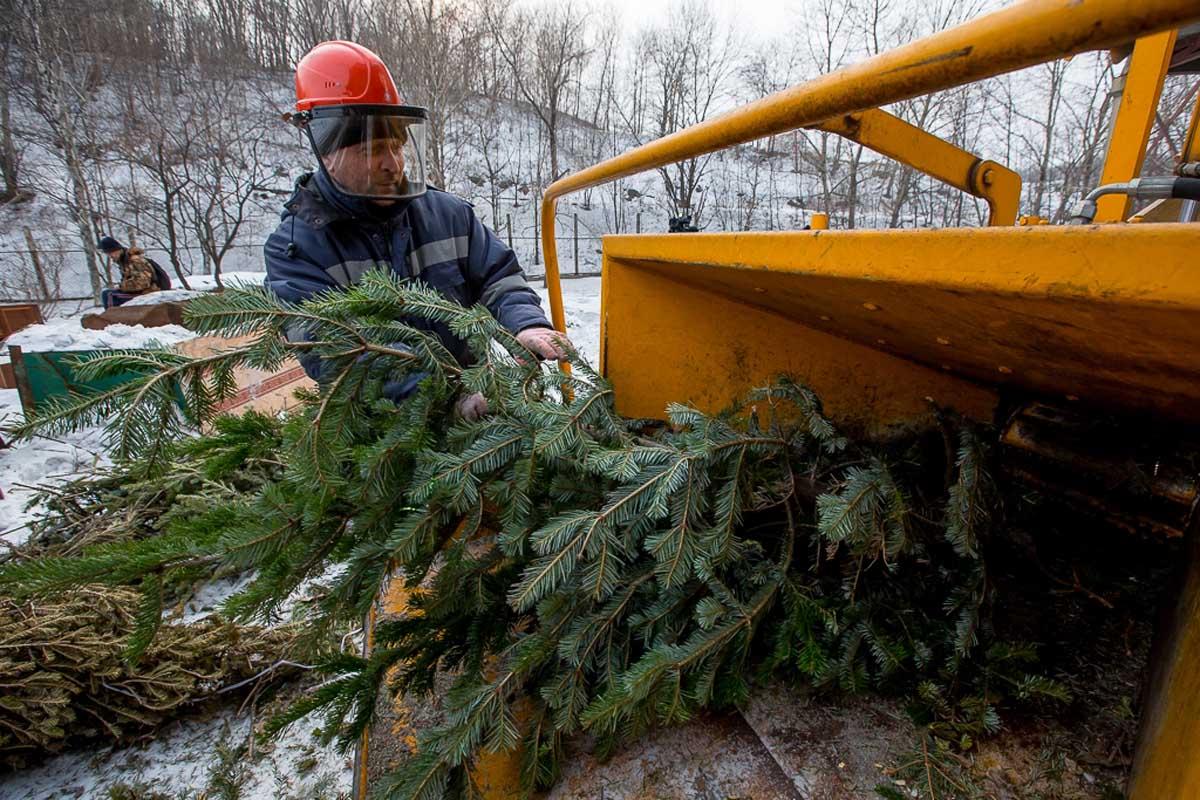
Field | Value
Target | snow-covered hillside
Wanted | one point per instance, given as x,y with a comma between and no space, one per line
505,197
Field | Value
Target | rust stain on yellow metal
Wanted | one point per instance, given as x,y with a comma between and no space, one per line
893,137
1063,310
1134,119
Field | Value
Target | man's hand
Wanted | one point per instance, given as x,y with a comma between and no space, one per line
545,342
471,407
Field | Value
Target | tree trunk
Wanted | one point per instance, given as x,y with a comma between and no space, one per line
852,192
38,270
82,213
173,238
552,131
9,161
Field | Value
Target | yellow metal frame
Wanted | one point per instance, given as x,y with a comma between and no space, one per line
1022,35
1165,765
879,322
1143,85
883,322
891,136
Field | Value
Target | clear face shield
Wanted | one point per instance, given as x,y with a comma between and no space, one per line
376,152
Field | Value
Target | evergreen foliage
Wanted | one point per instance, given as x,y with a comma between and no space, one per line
577,571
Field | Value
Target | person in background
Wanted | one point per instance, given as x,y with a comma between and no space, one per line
139,273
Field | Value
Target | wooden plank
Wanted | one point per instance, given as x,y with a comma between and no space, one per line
17,316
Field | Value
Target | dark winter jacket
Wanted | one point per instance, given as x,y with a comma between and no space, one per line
327,240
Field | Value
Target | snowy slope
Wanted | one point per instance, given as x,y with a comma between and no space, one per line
635,200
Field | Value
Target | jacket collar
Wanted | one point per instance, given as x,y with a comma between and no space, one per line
317,202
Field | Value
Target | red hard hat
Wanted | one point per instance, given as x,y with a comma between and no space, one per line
343,73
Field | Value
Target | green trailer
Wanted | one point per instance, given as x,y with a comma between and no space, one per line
50,375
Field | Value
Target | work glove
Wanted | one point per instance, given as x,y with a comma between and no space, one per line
471,407
545,342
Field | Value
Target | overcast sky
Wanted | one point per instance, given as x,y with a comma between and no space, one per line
760,17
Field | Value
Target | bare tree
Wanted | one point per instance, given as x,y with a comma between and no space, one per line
1086,109
227,168
10,151
272,41
489,135
35,275
828,43
433,47
692,59
159,143
1165,147
63,73
546,49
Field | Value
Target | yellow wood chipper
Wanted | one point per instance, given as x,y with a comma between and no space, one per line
1035,328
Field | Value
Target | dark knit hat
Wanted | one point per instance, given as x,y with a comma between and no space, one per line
108,244
333,133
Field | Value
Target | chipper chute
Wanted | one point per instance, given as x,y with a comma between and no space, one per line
1040,329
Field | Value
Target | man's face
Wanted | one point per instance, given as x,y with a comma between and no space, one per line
375,167
114,255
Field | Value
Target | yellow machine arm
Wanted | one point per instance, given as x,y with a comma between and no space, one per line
891,136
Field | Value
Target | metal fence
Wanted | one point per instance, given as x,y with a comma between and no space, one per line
526,244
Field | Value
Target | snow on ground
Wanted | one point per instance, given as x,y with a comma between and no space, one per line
178,762
42,460
68,334
27,464
581,307
165,296
206,283
200,284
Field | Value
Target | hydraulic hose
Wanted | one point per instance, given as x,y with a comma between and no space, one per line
1154,188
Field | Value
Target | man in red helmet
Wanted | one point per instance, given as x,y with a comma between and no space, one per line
367,207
